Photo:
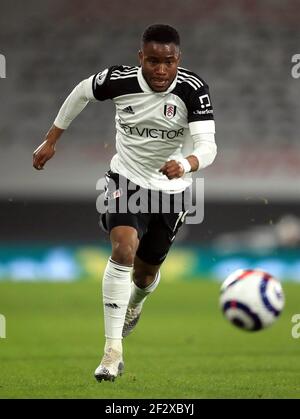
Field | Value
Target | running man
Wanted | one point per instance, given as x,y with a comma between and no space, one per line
164,131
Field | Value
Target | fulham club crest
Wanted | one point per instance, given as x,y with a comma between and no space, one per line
169,111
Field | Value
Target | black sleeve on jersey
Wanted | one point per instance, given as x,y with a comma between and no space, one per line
196,98
199,105
101,84
105,88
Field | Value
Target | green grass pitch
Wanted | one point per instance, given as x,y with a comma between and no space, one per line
182,347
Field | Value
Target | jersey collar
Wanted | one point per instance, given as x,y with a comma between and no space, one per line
147,89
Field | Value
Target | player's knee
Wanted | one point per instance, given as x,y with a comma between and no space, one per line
144,276
143,280
123,253
143,273
124,242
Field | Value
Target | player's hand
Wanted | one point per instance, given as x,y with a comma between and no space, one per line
42,154
172,169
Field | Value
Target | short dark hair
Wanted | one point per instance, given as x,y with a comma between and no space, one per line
162,34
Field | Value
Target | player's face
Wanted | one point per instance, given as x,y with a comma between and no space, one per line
159,64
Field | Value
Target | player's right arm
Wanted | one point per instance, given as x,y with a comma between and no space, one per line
96,87
73,105
46,150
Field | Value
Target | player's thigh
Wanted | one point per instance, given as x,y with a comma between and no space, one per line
156,242
117,209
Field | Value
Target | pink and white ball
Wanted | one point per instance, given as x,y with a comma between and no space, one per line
251,299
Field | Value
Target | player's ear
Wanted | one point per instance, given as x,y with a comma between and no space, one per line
179,57
140,56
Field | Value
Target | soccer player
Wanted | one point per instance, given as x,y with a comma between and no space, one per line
164,131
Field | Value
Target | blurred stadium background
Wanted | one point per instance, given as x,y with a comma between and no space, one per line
49,224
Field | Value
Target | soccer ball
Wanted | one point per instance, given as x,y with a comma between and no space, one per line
251,299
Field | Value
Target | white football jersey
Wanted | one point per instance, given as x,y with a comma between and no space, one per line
154,127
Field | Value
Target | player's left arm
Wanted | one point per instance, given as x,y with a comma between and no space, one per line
202,129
